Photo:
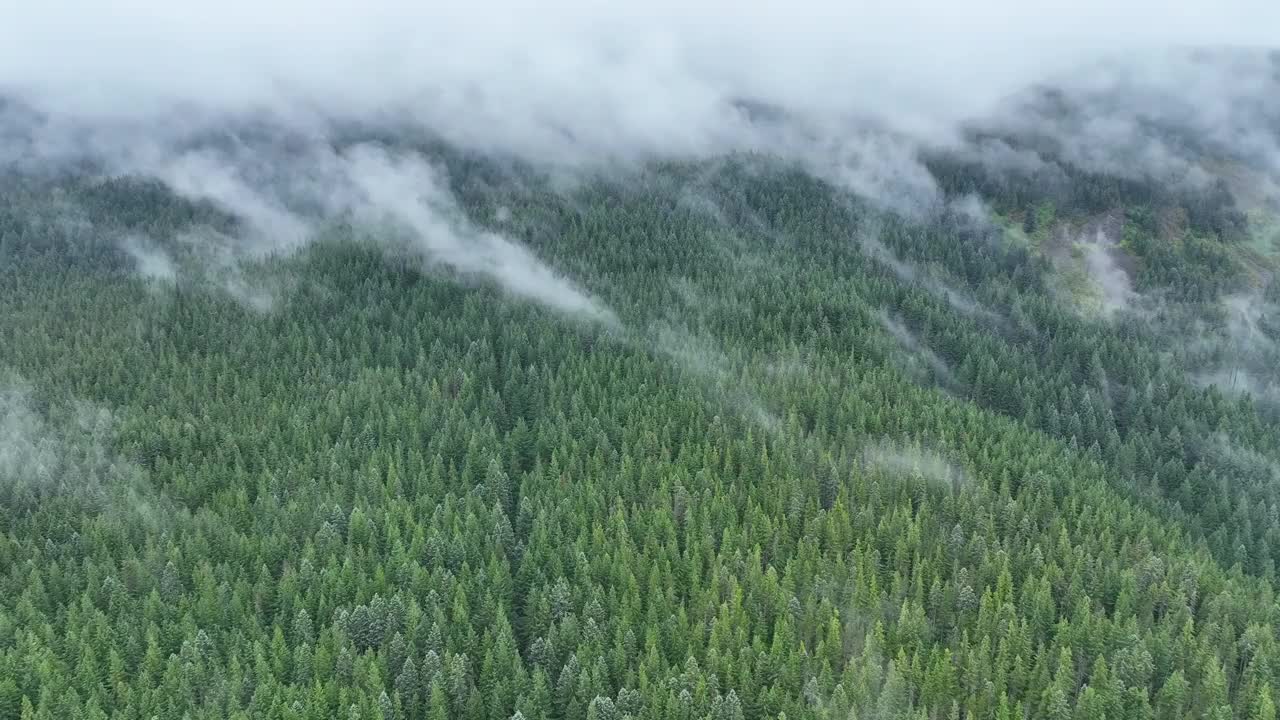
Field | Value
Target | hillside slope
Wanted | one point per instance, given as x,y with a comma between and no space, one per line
782,453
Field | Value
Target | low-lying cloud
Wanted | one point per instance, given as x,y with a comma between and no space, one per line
911,274
699,356
405,191
283,197
1112,281
852,92
912,459
916,349
849,89
151,261
206,175
63,449
1238,352
516,73
1160,114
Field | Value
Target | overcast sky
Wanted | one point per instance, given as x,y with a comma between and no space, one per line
542,76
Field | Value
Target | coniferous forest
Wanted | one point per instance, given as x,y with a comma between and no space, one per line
800,456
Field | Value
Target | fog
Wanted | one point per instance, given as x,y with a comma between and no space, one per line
916,349
58,447
699,355
850,91
1156,114
28,453
283,199
537,75
899,458
1113,283
152,262
405,191
579,80
1239,355
908,273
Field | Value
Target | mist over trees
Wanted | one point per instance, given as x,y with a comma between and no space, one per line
403,491
496,396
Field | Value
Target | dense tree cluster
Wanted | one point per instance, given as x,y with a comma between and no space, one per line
401,493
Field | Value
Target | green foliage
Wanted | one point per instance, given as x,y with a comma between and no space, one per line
404,494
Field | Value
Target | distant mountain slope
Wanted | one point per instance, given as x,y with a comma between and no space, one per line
366,425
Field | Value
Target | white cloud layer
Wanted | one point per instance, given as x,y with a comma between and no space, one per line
584,78
850,90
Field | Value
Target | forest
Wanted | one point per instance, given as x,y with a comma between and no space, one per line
778,452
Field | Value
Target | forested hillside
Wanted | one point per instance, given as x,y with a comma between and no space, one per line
794,456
